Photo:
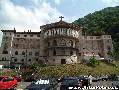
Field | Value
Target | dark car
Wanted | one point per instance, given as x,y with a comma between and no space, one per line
29,78
84,81
42,84
112,77
18,78
70,82
115,84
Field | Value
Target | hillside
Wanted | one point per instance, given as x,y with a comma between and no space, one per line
105,21
75,70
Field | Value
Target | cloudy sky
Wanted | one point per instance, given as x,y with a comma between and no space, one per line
31,14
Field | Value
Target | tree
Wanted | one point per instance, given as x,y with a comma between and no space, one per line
93,61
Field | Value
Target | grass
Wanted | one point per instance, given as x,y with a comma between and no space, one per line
79,69
72,70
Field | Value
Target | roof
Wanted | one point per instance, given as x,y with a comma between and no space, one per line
27,32
8,30
60,24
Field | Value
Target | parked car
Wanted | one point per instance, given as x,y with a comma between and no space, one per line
113,77
18,78
30,78
115,84
84,80
43,84
70,82
7,82
104,78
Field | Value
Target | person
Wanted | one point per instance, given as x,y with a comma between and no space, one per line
90,79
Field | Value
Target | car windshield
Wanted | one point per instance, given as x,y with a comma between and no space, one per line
70,81
1,78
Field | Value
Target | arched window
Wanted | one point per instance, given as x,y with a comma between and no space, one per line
23,53
36,53
36,59
30,53
71,52
5,52
29,60
48,44
54,52
15,60
3,58
71,43
16,52
22,60
54,43
108,48
63,42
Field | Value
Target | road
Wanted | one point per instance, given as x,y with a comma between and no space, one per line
23,85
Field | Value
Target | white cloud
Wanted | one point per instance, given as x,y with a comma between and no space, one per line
111,2
25,18
57,2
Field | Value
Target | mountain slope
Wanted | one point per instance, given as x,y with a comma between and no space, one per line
105,21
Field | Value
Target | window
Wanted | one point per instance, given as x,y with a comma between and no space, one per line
7,79
71,52
3,58
108,48
22,60
18,35
23,53
97,37
31,35
53,60
5,52
30,53
54,43
91,37
38,35
63,42
36,53
108,41
48,44
25,35
71,43
29,60
15,60
16,53
36,59
54,53
16,45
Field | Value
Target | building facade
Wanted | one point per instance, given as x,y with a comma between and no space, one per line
56,43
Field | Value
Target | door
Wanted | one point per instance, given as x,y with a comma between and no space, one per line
63,61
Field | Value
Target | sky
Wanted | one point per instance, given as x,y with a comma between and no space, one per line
31,14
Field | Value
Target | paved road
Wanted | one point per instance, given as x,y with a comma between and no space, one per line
23,85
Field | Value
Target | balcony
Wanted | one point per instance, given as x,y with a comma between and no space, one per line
64,47
59,36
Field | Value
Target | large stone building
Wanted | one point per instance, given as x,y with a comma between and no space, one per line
56,43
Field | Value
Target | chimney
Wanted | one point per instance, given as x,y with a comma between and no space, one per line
28,30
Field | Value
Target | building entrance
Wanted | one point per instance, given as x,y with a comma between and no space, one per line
63,61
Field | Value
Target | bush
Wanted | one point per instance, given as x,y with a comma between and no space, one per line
94,61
